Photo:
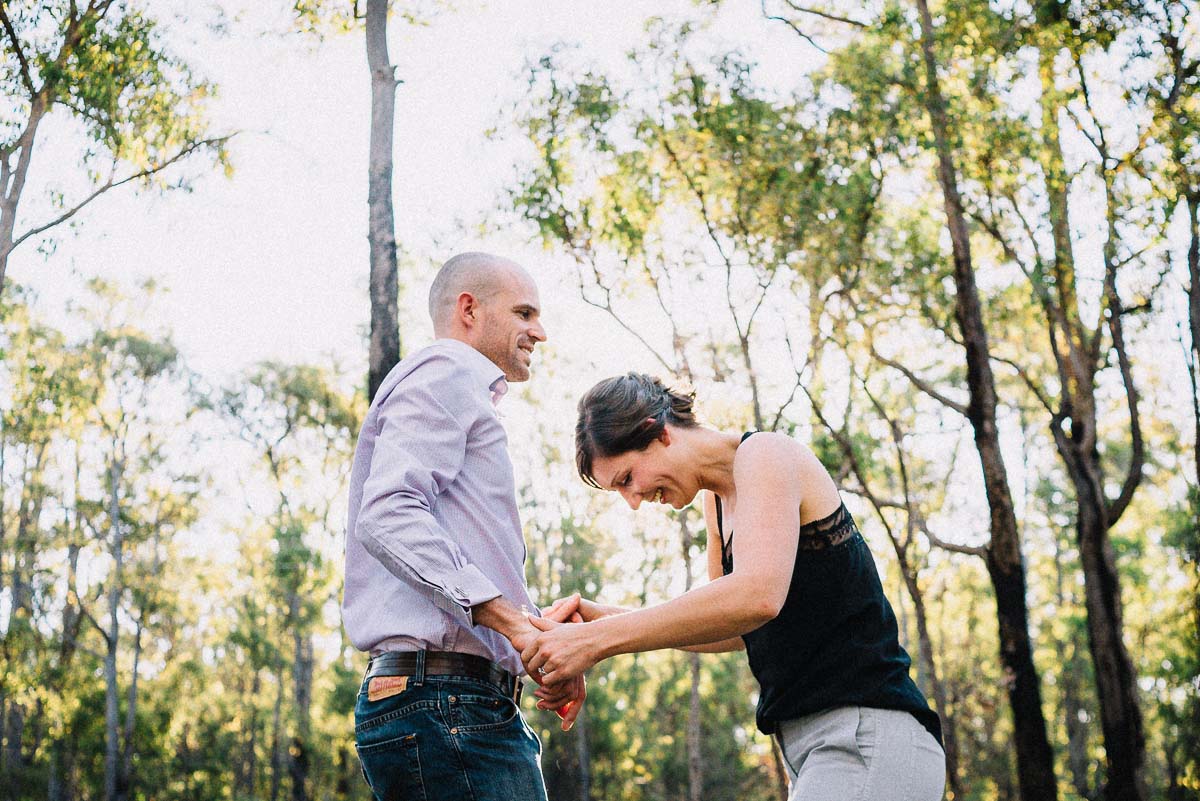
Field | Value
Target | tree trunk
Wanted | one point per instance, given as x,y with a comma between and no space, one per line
694,761
1116,687
302,669
583,755
14,735
252,738
781,776
938,690
54,783
1077,730
381,232
126,777
1035,760
112,637
1193,201
277,734
12,180
1116,684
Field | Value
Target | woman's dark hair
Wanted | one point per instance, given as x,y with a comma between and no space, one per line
626,413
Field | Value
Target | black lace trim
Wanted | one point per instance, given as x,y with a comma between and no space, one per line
815,535
831,530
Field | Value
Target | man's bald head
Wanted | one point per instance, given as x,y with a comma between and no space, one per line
492,305
481,274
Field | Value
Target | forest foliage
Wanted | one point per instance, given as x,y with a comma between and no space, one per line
804,258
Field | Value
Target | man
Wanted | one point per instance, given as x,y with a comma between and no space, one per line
435,582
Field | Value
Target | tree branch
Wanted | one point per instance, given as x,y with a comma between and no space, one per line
26,74
971,550
795,28
920,383
825,14
113,184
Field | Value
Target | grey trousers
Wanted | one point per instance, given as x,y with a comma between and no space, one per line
860,754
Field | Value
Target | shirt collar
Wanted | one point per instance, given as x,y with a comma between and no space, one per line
482,368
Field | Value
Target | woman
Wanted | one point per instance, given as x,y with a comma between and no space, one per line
792,581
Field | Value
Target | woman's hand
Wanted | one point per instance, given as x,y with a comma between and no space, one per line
566,699
587,610
561,651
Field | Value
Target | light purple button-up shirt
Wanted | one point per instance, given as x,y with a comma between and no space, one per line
433,526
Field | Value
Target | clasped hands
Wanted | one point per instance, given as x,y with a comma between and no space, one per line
558,653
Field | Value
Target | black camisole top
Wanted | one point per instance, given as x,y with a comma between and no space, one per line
835,642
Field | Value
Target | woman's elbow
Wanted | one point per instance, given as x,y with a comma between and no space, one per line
766,607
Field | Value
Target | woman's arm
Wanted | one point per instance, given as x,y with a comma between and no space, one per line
715,571
725,608
591,610
713,549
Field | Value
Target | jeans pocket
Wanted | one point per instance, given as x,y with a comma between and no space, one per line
392,768
480,713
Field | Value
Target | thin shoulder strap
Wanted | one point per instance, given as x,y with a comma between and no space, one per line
725,544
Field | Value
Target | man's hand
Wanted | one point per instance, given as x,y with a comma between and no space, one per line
565,698
561,652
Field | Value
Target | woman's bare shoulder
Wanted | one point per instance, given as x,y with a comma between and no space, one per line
782,456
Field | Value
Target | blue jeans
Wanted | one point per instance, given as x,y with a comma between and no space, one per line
447,738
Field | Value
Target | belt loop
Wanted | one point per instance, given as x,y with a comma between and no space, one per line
419,676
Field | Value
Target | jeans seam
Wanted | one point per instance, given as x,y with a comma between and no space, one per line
462,763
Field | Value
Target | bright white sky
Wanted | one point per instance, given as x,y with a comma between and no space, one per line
273,262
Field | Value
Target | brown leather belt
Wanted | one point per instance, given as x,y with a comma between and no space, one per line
445,663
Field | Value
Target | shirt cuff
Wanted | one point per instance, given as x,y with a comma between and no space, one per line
464,589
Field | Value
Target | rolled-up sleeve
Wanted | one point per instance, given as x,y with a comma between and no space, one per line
419,450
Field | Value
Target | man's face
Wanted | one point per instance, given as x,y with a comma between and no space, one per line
510,326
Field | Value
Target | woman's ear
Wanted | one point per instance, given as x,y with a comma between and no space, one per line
665,436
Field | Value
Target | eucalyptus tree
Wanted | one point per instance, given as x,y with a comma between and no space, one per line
301,429
321,16
1023,171
784,209
139,504
40,412
100,66
1168,45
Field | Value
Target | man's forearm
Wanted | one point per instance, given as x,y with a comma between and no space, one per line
499,614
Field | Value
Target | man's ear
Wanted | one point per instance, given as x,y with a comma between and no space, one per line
467,309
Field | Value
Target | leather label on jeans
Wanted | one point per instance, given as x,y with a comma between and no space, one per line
382,687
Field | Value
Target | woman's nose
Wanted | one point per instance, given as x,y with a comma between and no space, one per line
634,499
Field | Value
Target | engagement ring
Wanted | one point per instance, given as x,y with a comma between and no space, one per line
542,671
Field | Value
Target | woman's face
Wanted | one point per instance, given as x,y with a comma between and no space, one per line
655,474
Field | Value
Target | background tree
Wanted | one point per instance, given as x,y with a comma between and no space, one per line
102,65
320,16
